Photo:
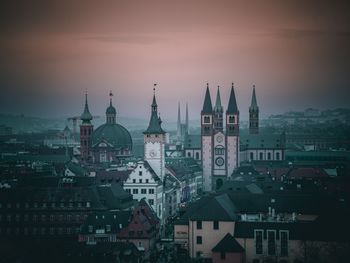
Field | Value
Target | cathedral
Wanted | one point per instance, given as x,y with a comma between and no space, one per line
109,143
220,147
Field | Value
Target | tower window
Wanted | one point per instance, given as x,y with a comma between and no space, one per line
231,119
206,119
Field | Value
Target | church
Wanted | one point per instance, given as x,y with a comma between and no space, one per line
109,143
220,147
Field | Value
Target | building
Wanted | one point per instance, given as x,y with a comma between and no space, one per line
182,128
146,180
110,142
144,183
220,149
264,227
142,229
258,145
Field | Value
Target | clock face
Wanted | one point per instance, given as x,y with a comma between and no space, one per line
219,139
152,153
219,161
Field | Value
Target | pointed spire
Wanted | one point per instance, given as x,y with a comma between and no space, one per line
86,116
218,106
232,103
254,104
178,132
154,126
187,128
207,106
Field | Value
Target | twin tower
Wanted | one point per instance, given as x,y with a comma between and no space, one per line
220,148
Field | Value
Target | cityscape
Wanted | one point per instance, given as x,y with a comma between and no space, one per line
127,134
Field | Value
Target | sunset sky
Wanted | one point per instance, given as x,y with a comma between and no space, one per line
295,52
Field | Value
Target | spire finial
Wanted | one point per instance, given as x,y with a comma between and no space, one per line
233,84
110,97
207,85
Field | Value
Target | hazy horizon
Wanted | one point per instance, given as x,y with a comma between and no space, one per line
295,52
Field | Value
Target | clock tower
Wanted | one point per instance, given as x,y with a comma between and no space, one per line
154,141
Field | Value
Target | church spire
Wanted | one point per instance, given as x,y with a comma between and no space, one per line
207,106
218,106
154,126
187,125
232,103
178,122
86,116
254,104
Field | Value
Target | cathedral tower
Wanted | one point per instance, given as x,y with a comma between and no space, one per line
253,115
220,148
86,129
232,133
154,141
206,140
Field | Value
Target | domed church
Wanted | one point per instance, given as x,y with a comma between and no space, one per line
111,142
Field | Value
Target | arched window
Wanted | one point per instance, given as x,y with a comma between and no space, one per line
231,119
261,156
251,156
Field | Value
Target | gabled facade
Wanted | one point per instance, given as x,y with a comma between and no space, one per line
144,183
220,147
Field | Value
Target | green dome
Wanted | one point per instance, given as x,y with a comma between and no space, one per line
114,134
111,110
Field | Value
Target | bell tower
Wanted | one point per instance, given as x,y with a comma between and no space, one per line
232,133
86,129
154,141
253,115
207,140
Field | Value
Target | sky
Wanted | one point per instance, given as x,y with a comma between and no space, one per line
295,52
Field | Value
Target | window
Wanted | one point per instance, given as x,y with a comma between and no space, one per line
135,191
261,156
231,119
222,255
219,151
128,190
268,156
277,156
134,180
271,242
197,155
199,239
206,119
151,201
143,191
151,191
258,242
140,173
284,243
199,224
251,156
147,181
140,181
216,225
189,154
